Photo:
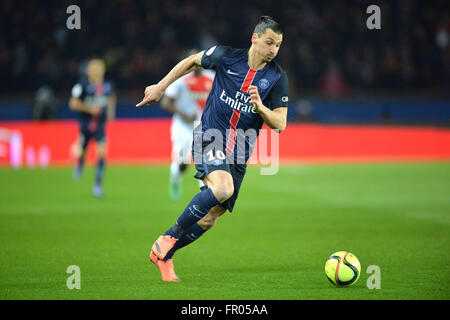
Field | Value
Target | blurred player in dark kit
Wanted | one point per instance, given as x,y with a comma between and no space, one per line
95,102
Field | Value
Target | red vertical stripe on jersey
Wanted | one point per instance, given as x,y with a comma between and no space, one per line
99,89
232,135
236,114
248,80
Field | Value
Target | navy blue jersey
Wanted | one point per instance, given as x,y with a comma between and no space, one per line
228,106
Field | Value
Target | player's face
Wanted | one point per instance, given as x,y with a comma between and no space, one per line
267,44
96,71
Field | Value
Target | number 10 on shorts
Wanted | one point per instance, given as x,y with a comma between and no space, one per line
219,155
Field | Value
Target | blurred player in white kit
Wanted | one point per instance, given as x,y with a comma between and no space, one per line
185,99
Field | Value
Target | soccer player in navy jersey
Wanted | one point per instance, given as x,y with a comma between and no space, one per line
95,102
249,89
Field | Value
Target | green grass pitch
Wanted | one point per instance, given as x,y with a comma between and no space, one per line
273,246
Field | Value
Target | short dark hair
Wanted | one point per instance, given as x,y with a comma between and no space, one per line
266,22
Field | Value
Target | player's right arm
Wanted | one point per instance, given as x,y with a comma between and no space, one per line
75,102
154,92
78,105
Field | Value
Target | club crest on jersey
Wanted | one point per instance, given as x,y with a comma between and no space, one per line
217,162
263,83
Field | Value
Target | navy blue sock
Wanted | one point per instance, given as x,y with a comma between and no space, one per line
199,206
100,171
189,236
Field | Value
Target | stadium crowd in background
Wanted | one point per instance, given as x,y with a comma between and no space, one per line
327,45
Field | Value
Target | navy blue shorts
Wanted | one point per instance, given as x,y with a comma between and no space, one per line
92,128
236,170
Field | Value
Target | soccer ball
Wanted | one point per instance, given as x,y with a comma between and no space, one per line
342,268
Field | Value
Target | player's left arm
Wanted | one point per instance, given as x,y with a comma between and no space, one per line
276,116
111,106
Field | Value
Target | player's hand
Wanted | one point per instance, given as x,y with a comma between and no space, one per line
96,110
255,99
152,94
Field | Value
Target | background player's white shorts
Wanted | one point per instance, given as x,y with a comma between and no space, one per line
181,147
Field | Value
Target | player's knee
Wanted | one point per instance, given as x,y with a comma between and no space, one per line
223,192
101,149
221,184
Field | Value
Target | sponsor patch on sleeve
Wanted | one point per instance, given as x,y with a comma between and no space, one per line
210,51
77,90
